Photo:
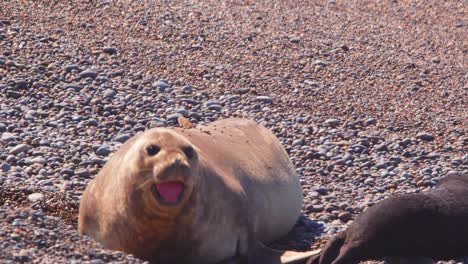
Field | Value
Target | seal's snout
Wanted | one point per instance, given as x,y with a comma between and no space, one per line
177,169
171,180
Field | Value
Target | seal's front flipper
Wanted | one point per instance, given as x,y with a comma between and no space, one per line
266,255
298,257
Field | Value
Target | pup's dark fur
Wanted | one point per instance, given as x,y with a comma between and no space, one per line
429,224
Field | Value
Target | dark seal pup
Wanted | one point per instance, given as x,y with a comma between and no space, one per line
210,194
430,224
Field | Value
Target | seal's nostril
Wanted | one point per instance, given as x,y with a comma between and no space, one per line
189,152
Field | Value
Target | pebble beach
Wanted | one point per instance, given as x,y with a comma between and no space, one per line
369,98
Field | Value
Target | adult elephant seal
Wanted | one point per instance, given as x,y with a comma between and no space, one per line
432,224
201,195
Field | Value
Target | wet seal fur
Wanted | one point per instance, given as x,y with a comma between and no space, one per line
239,190
431,224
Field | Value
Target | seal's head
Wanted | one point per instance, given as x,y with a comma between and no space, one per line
163,167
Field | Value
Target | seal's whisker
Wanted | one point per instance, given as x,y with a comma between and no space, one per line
146,182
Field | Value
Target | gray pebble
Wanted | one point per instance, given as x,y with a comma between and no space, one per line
21,84
161,85
322,190
316,208
35,197
320,63
195,115
381,147
19,149
88,74
173,117
312,83
369,181
264,99
190,101
109,93
38,160
295,40
122,138
297,142
345,216
332,122
5,167
67,172
83,173
109,50
103,150
13,94
186,89
183,112
425,136
243,90
371,121
215,107
72,67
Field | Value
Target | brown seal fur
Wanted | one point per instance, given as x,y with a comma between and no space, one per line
240,189
430,224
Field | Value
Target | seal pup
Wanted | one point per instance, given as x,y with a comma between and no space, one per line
201,195
431,224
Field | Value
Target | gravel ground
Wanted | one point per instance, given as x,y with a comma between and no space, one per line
368,97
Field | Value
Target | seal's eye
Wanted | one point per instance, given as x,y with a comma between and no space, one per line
152,150
189,152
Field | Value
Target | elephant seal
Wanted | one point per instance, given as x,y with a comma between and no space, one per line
201,195
430,224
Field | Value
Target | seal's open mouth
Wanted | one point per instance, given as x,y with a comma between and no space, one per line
169,192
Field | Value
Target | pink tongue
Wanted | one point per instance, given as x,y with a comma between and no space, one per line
170,191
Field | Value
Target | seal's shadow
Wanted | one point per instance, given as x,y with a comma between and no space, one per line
301,237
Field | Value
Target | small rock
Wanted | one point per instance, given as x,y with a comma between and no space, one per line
425,136
264,99
243,90
19,148
173,117
295,40
21,84
67,172
297,142
13,94
38,160
122,138
103,151
312,83
35,197
381,147
332,122
161,85
345,216
83,173
109,50
322,190
109,93
5,167
187,89
72,67
371,121
88,74
215,107
369,181
320,63
315,208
